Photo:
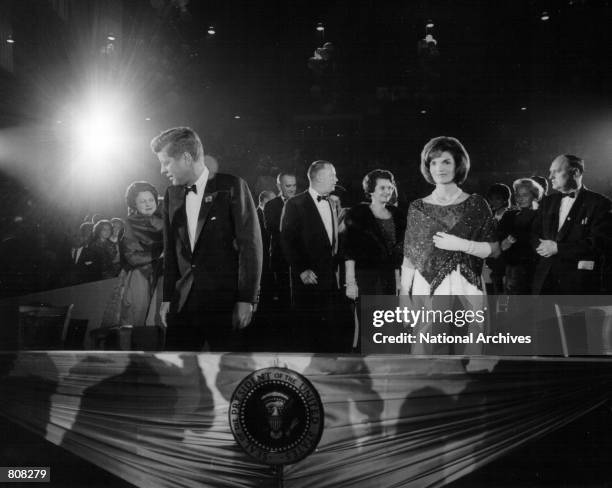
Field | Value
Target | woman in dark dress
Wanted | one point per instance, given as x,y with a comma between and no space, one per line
373,239
136,298
515,232
102,249
141,249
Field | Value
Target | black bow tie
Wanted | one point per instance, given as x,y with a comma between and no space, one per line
192,188
321,197
571,194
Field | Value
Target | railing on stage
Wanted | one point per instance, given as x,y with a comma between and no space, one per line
162,420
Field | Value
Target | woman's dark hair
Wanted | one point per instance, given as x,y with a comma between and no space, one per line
134,189
97,228
500,190
437,146
370,180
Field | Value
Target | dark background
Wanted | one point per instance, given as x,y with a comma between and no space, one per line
374,104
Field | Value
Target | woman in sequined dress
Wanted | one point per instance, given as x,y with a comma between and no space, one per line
448,235
449,232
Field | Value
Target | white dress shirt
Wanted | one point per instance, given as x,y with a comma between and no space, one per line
325,211
193,202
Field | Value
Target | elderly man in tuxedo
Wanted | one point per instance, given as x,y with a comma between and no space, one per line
571,231
309,240
212,248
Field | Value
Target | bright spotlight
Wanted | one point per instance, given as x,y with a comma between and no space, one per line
99,138
545,16
320,27
10,40
111,37
523,109
429,24
211,31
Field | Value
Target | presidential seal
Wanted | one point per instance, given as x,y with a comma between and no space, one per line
276,416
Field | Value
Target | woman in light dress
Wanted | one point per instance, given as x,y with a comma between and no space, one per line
449,233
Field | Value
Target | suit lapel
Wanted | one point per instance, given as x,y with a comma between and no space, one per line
177,211
207,202
554,217
335,211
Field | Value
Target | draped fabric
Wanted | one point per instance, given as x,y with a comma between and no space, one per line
142,244
470,219
161,420
135,300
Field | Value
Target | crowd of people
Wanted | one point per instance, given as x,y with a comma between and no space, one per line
297,264
450,242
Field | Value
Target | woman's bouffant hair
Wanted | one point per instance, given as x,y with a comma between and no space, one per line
437,146
369,181
134,189
532,185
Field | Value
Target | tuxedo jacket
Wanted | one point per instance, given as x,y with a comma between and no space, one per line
581,241
272,216
305,243
225,264
84,270
265,238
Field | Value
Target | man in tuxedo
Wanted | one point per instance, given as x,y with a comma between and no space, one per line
83,267
309,240
287,187
571,231
264,197
212,248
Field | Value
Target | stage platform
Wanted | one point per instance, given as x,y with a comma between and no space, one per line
161,420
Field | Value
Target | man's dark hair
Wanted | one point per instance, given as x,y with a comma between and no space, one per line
283,173
179,140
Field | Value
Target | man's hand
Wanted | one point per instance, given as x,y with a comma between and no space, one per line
507,243
308,277
242,315
163,312
547,248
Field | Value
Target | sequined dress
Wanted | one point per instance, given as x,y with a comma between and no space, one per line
447,272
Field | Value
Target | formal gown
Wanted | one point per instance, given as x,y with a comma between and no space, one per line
442,272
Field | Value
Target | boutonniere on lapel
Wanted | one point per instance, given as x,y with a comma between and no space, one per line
208,198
